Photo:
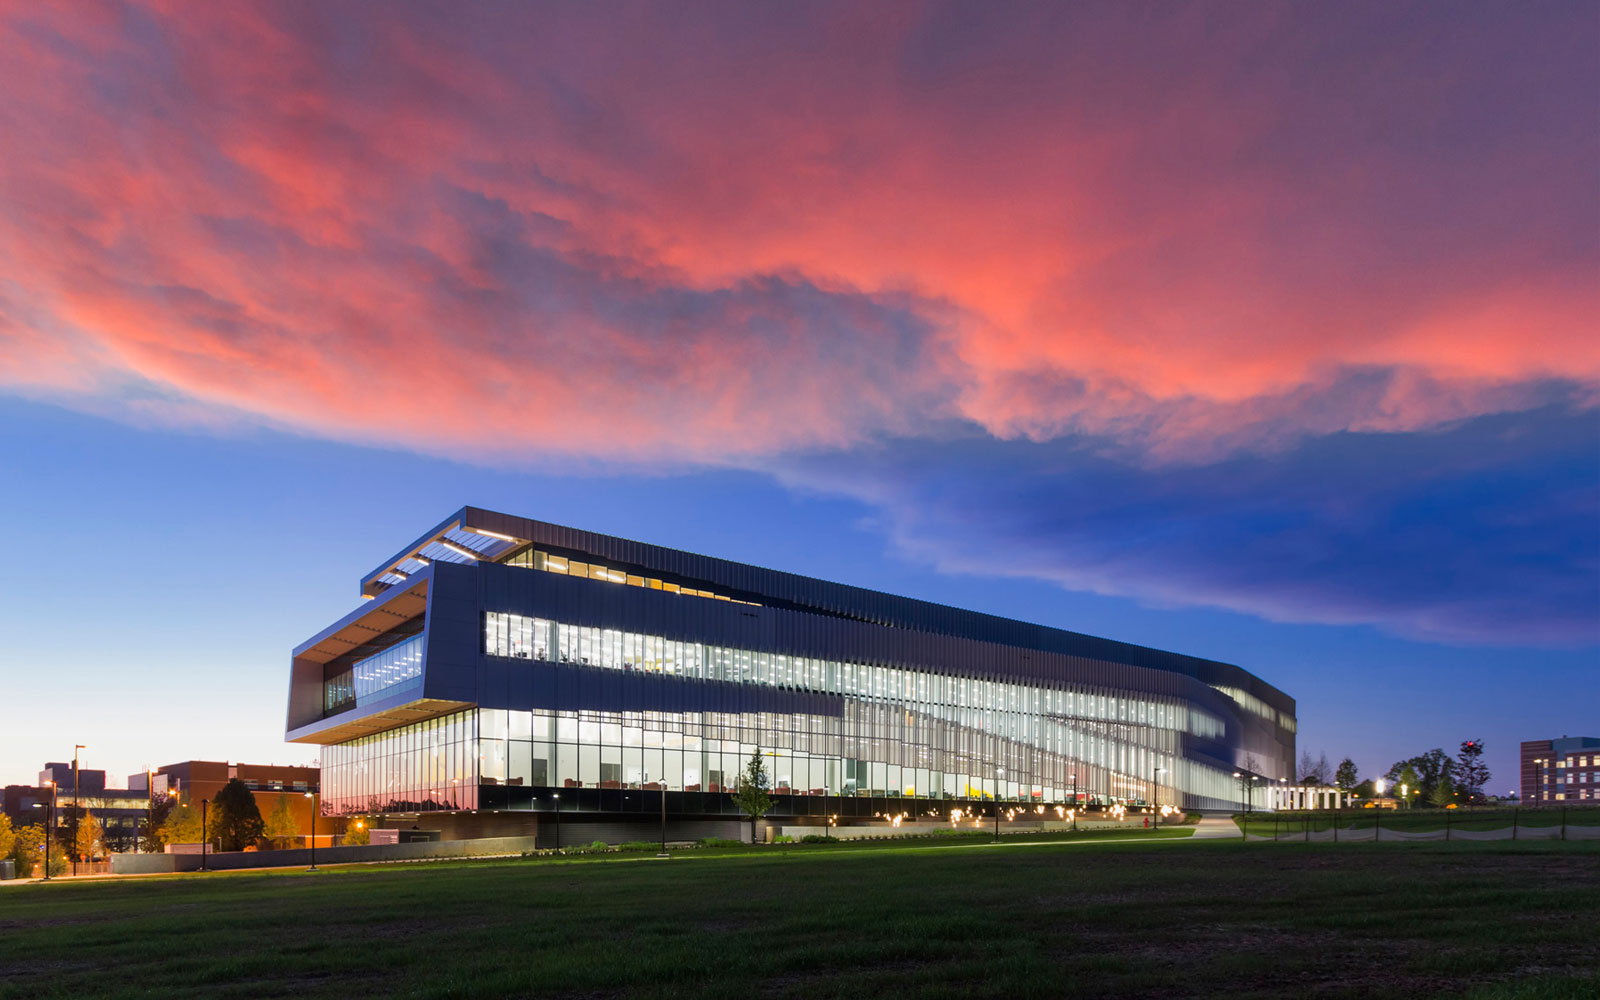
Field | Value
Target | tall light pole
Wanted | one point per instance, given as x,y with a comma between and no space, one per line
150,810
75,750
203,804
49,826
1155,798
557,797
1074,802
313,797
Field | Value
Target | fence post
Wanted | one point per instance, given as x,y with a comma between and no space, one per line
1336,826
1447,825
1377,823
1516,811
1563,822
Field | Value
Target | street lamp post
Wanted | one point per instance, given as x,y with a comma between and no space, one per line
74,852
203,803
1000,775
1155,798
49,826
663,793
1074,802
313,797
150,810
557,797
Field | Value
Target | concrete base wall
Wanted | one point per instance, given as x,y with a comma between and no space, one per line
144,864
913,829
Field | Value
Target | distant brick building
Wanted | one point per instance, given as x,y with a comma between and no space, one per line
194,780
1561,771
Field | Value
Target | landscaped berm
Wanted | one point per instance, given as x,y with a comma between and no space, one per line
1167,917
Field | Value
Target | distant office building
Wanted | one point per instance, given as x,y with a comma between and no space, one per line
502,662
122,812
1564,770
61,773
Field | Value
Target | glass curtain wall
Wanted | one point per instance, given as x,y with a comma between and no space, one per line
424,766
900,733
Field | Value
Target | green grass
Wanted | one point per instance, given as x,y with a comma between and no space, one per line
1495,921
1539,822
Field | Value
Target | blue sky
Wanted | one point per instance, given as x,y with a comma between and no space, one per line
162,576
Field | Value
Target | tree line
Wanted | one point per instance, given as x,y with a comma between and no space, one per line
232,822
1432,778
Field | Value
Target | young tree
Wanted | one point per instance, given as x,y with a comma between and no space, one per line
150,827
235,820
90,834
751,796
1346,777
1444,793
358,830
1407,784
1472,774
8,836
27,849
182,825
281,828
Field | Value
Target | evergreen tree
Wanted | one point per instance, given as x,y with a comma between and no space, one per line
281,828
1346,777
1472,774
751,796
235,820
1444,793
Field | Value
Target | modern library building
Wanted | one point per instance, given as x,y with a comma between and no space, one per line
503,671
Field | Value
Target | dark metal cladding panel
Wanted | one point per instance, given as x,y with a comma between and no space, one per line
773,587
594,603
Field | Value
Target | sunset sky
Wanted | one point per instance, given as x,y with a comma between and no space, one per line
1264,332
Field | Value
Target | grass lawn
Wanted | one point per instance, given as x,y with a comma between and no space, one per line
1538,823
1099,918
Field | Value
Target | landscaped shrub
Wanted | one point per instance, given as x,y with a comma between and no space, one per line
783,838
639,845
818,838
720,842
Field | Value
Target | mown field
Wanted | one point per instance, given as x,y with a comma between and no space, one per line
1533,824
1169,916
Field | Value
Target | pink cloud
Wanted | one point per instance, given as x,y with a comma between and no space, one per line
625,235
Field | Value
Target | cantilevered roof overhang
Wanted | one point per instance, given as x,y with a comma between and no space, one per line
454,539
366,623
